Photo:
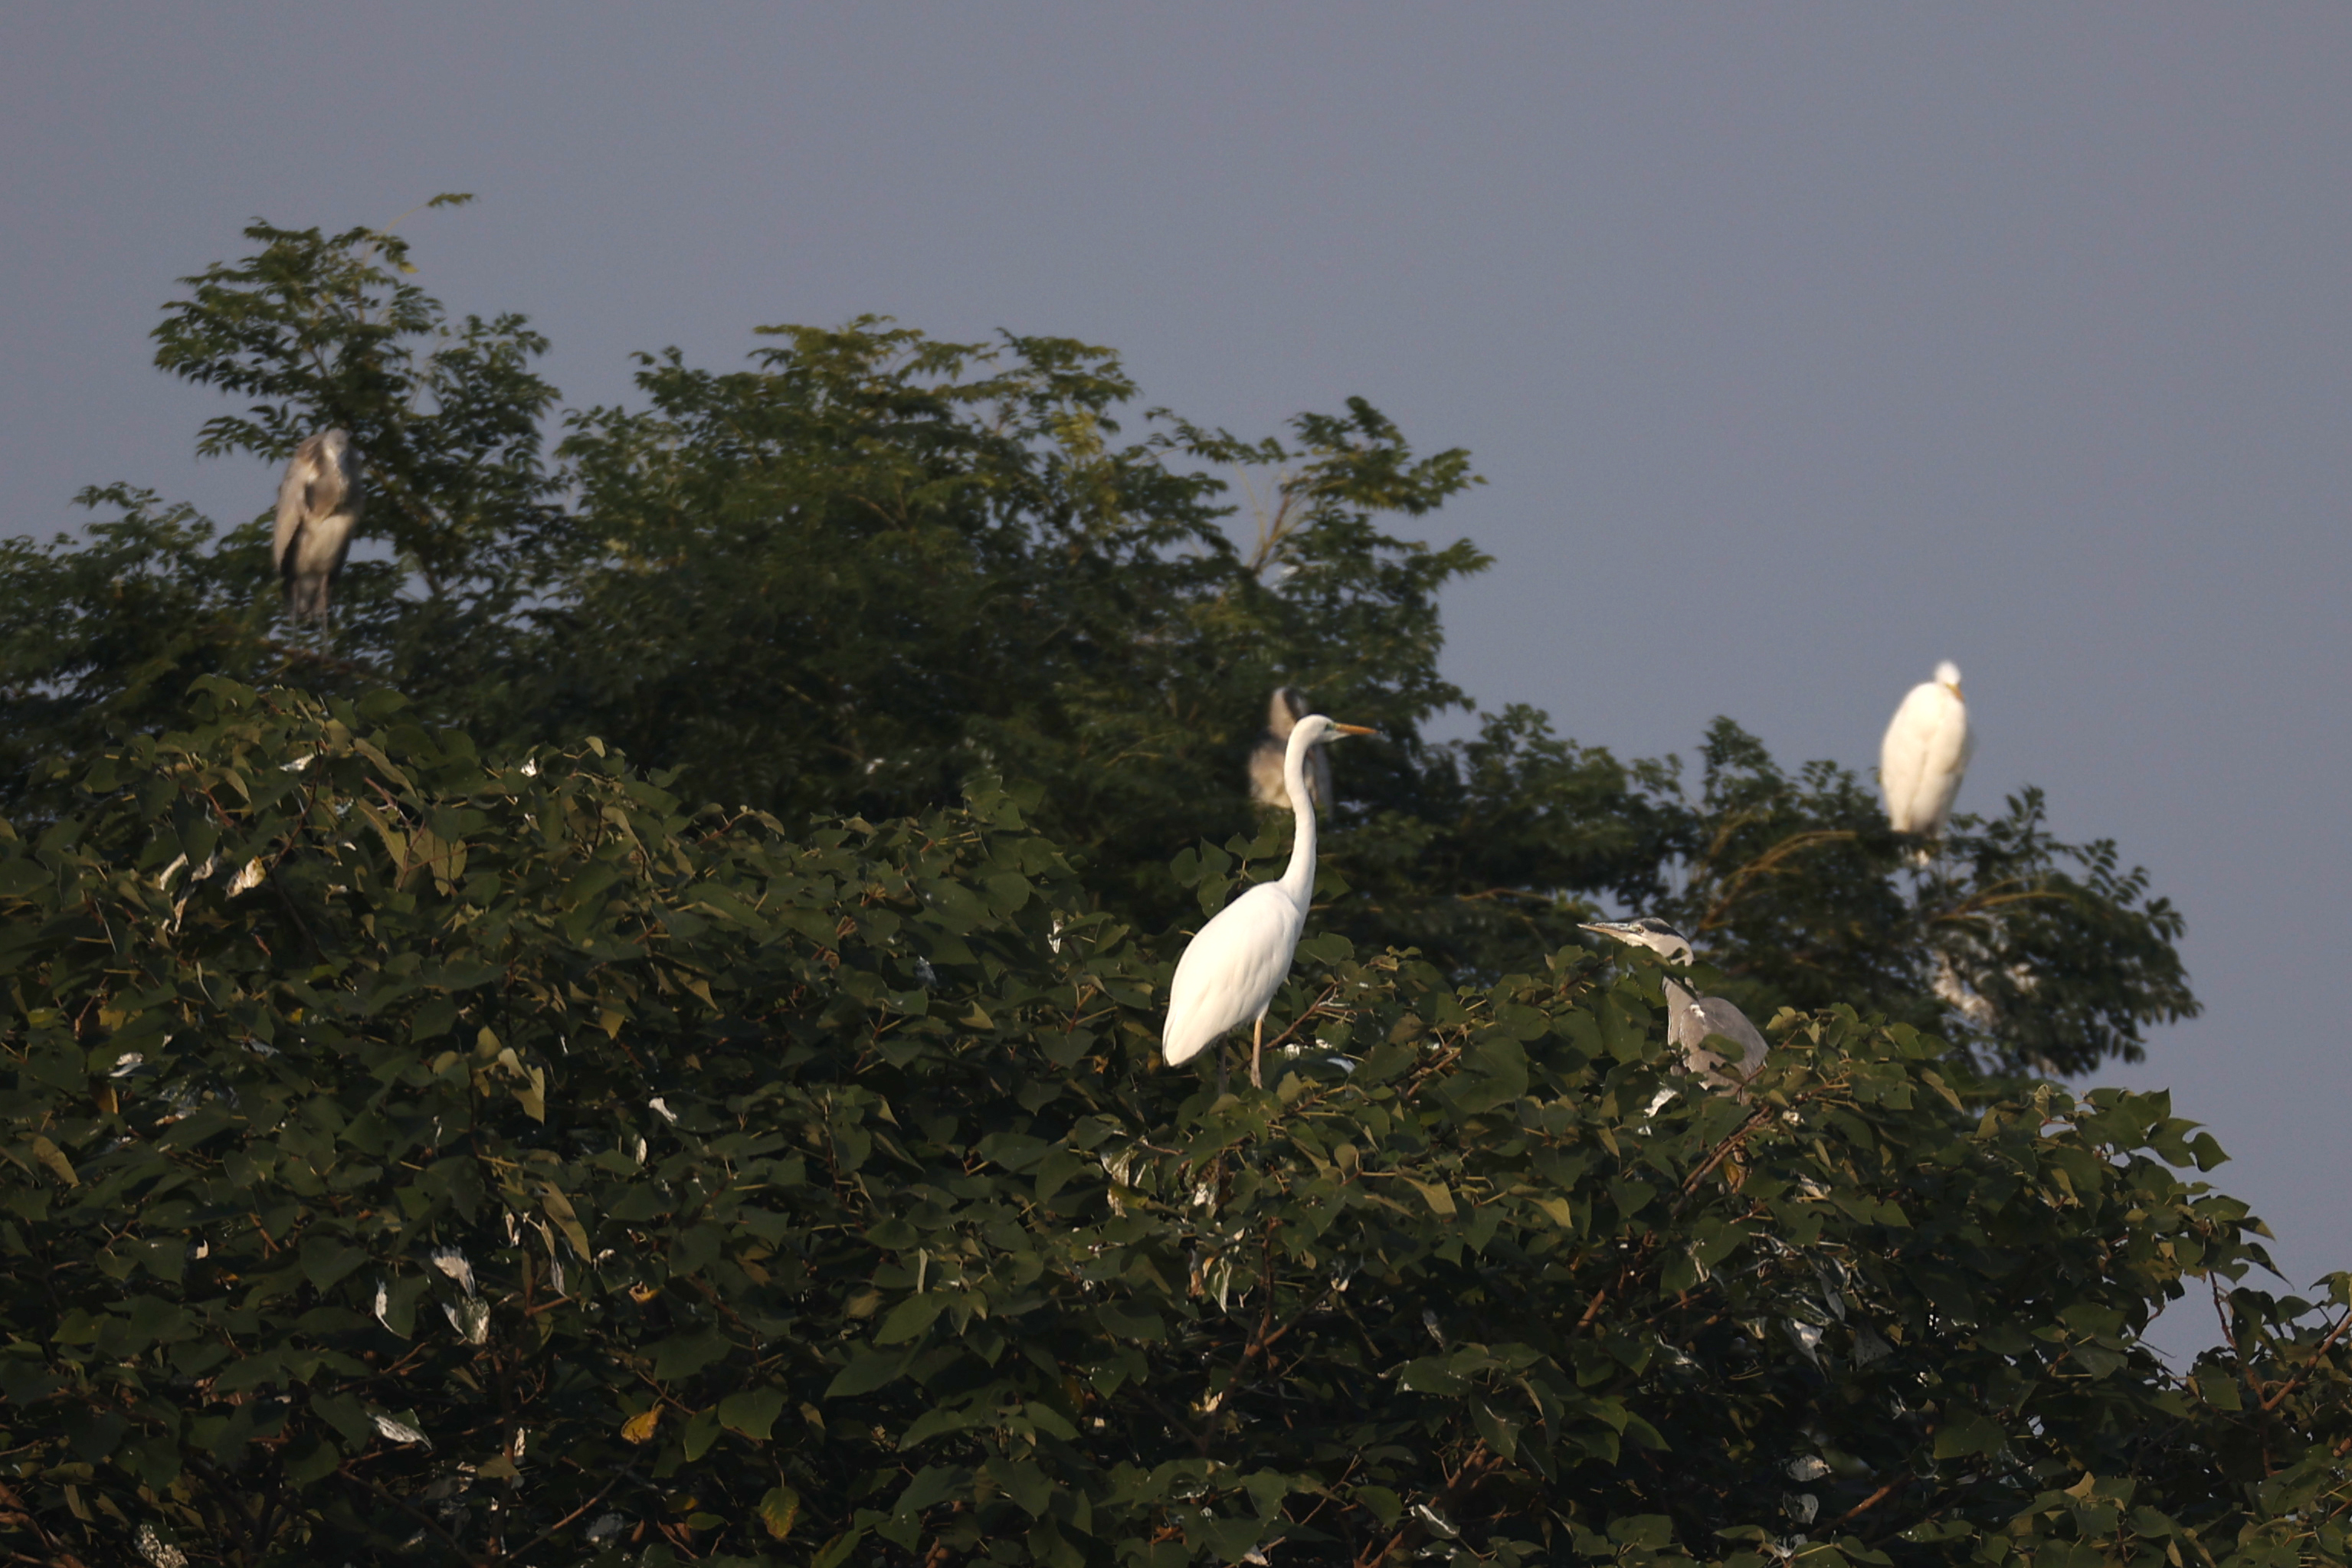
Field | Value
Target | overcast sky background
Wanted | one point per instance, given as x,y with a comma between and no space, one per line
1802,345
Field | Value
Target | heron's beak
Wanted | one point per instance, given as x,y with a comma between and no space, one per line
1338,730
1606,927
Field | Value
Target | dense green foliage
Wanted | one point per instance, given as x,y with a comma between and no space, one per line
412,1157
873,566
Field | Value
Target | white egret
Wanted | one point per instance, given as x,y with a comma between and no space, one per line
1234,963
1693,1020
319,505
1925,754
1283,712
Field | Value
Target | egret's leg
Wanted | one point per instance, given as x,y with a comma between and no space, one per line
1257,1050
1222,1079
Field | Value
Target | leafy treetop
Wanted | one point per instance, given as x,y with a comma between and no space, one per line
873,567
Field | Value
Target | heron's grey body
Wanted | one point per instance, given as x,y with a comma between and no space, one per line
1692,1019
1283,712
319,504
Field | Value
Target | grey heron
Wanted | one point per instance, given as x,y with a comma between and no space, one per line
1283,712
319,504
1925,754
1693,1020
1233,965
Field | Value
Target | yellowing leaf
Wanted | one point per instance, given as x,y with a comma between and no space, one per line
396,843
639,1428
384,764
50,1155
559,1210
780,1510
532,1097
1440,1201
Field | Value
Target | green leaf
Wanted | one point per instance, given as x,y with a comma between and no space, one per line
683,1356
909,1318
699,1434
1966,1432
1021,1480
932,1484
866,1371
326,1262
751,1412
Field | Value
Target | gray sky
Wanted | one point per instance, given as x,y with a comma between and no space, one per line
1802,345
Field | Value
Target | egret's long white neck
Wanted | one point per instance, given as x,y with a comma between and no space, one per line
1298,881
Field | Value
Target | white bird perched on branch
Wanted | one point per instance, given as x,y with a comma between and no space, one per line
1234,963
319,505
1283,712
1925,754
1693,1020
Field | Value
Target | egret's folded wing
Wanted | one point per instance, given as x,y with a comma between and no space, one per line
1230,970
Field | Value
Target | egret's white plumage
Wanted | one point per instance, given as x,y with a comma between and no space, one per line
1234,963
1283,712
319,504
1926,753
1692,1019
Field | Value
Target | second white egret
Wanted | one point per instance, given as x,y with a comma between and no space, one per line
1925,754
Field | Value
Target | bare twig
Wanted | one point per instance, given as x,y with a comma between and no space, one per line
2316,1357
548,1532
1901,1480
1764,865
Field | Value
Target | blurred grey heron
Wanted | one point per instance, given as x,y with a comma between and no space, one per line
1693,1020
319,504
1925,754
1283,712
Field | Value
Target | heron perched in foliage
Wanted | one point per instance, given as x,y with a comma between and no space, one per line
1234,963
1925,754
319,504
1283,712
1692,1019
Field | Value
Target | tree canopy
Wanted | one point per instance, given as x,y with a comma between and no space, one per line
873,567
642,1047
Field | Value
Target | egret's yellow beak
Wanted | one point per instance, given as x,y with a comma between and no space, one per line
1339,729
